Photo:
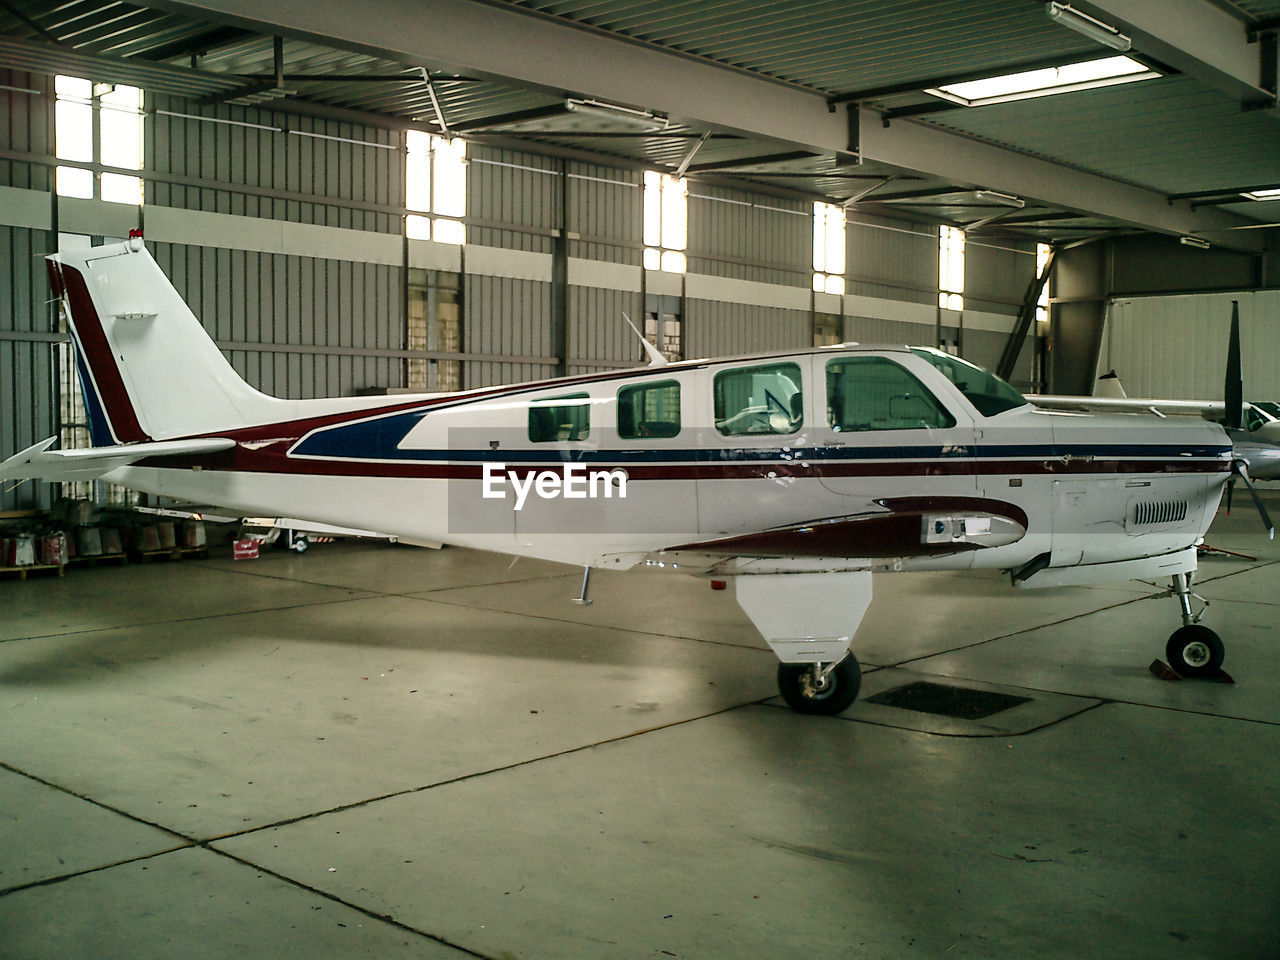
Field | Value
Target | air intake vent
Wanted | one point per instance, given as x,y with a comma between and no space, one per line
1159,511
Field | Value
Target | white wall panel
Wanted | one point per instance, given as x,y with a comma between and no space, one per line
28,395
1176,346
599,339
715,329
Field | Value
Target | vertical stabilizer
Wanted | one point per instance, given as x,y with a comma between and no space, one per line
148,369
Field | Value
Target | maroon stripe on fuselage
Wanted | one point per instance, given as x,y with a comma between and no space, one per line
98,355
892,534
268,460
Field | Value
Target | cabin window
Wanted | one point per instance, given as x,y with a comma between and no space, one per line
987,392
873,393
560,418
649,410
766,399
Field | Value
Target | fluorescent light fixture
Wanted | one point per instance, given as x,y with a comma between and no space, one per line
1271,193
642,119
1046,82
1082,23
1194,242
1008,199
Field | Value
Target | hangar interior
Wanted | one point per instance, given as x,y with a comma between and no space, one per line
215,757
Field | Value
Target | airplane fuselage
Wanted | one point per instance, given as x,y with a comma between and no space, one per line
761,457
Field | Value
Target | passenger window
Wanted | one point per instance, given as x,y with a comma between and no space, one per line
554,419
649,410
766,399
874,393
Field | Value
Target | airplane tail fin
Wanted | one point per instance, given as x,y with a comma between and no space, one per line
1233,387
147,368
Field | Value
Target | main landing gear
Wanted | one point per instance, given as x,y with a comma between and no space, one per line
1193,650
822,688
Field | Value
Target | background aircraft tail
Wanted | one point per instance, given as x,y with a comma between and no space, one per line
1233,382
148,369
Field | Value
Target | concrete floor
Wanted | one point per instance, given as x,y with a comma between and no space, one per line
377,751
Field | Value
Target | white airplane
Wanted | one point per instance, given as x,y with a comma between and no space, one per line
796,475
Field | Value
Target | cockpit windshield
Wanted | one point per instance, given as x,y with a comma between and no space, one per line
987,392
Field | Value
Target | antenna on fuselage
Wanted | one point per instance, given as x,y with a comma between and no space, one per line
656,359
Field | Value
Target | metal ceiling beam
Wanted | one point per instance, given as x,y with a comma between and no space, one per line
917,146
507,44
197,45
922,196
731,165
930,83
156,77
1197,38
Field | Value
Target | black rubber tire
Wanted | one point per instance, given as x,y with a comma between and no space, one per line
299,543
841,689
1195,651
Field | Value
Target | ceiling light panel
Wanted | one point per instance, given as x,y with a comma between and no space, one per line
1047,82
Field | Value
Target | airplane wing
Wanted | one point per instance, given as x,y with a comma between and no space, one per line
1154,405
89,463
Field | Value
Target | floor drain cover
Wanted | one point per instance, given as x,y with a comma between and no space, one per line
947,701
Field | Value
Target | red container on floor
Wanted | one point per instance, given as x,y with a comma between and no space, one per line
52,550
245,550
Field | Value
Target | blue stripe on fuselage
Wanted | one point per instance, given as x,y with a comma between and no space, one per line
99,428
378,439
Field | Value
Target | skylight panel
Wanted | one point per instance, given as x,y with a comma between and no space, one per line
1046,82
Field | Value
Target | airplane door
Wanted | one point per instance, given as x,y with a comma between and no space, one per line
755,468
887,436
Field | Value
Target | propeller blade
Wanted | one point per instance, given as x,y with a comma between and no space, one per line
1231,487
1238,469
1233,385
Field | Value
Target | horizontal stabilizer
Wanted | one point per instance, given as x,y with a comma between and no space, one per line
89,463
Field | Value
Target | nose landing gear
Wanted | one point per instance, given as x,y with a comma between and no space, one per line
1193,649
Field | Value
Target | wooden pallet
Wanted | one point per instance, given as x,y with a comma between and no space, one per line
169,554
119,559
39,569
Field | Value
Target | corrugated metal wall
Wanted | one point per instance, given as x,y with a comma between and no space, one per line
510,189
747,237
996,276
215,158
1176,346
597,331
605,224
514,202
715,329
293,326
891,259
742,236
504,317
28,396
301,326
880,330
606,213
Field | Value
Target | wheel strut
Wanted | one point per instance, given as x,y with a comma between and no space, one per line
1181,588
1193,650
